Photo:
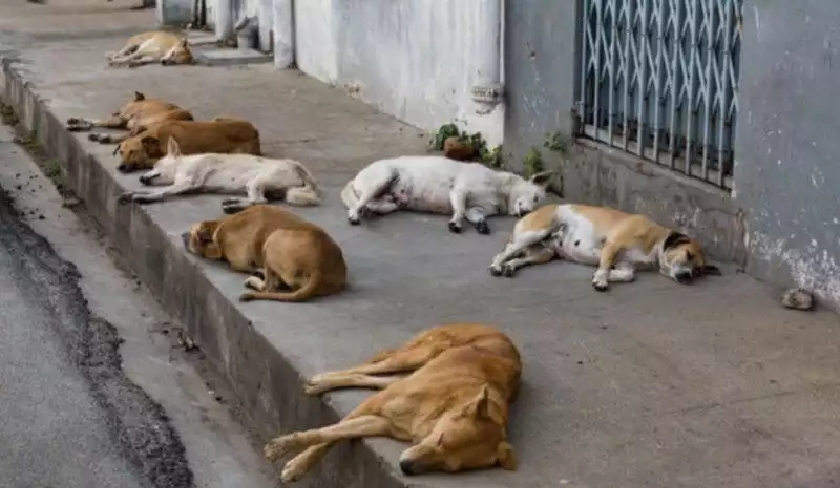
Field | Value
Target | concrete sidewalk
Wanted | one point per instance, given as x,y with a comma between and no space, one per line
649,385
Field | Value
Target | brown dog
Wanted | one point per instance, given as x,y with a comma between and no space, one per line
221,135
135,116
281,249
451,400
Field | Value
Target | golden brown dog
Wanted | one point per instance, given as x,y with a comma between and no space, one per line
281,249
221,135
616,242
152,47
135,116
450,399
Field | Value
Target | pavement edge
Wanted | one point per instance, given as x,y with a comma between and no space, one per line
266,385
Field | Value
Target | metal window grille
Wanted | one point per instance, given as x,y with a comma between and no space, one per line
660,80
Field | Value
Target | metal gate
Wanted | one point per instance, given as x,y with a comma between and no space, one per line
659,78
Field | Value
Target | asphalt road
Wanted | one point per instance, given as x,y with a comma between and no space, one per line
92,393
68,415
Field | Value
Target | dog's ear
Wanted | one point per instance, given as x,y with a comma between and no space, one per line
675,238
481,406
542,178
172,147
139,96
184,43
151,145
507,459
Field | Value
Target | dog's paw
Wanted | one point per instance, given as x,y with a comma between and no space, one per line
495,270
259,273
294,470
125,198
454,228
314,388
231,208
601,286
255,283
277,448
354,220
103,139
508,271
246,297
482,227
141,199
93,136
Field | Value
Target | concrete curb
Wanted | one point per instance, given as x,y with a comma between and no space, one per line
266,385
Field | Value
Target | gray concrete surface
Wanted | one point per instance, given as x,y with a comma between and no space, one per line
650,385
92,392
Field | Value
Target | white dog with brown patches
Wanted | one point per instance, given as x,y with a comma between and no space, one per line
617,243
437,184
257,176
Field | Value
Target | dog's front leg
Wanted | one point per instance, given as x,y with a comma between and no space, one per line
477,217
143,60
600,280
303,462
519,243
115,121
349,428
158,195
532,257
458,200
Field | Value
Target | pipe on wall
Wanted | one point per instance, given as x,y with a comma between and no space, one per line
284,33
225,13
487,87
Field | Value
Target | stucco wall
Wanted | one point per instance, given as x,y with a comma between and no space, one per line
787,173
413,59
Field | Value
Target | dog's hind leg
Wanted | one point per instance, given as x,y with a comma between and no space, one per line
157,195
458,200
115,121
354,426
377,182
477,217
352,380
406,359
518,244
532,257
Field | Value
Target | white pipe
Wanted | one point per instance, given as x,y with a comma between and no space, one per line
265,22
284,34
487,85
224,16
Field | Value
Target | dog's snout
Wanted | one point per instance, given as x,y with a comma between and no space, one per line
186,238
408,467
683,277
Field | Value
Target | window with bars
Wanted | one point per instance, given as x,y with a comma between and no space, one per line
659,79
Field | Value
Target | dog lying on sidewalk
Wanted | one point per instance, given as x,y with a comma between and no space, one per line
616,242
257,176
135,116
221,135
437,184
152,47
450,399
282,250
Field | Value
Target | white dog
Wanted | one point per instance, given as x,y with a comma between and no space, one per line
439,185
256,176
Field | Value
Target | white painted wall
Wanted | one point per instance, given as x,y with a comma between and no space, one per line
413,59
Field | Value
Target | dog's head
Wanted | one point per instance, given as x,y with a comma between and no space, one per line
683,259
201,239
468,438
178,54
527,195
164,171
137,152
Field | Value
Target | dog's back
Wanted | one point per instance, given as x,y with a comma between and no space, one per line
222,136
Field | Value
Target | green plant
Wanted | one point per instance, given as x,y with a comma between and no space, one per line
533,162
445,132
555,142
493,158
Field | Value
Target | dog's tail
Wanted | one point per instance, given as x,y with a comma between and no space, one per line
348,195
305,292
306,195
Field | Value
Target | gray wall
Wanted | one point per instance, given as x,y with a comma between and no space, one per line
787,173
781,221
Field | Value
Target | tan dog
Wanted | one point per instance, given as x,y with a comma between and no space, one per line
221,135
135,116
617,243
280,248
450,399
152,47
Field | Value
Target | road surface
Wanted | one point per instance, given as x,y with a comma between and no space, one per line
70,415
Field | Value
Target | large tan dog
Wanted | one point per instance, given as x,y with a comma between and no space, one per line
616,242
450,399
135,116
221,135
280,248
152,47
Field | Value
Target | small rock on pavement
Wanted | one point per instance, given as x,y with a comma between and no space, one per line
797,299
